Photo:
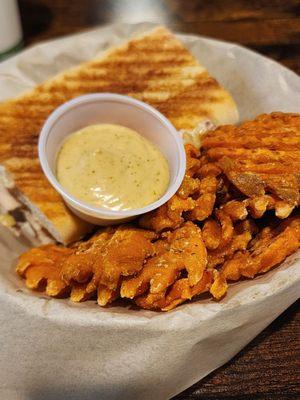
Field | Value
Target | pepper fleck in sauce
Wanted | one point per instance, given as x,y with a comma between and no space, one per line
112,166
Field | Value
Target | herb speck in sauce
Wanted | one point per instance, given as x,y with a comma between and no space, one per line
112,166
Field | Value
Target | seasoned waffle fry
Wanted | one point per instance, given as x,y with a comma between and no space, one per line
256,207
270,248
123,255
196,196
79,267
241,236
186,252
260,157
180,292
41,268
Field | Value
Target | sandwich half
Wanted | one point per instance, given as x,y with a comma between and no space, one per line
155,68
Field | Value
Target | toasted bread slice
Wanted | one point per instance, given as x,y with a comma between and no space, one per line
155,68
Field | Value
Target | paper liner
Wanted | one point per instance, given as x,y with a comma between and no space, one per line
55,349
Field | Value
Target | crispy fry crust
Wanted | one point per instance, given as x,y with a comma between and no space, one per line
196,196
185,251
269,248
98,264
221,225
260,157
79,267
123,255
180,292
41,269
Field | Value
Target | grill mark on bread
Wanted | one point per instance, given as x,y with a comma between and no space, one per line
189,101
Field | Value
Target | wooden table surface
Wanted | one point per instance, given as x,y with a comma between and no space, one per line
267,367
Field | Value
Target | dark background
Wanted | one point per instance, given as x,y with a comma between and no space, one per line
268,368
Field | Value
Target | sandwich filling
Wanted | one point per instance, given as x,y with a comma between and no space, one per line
16,216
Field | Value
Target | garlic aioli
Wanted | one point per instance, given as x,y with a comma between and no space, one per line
112,166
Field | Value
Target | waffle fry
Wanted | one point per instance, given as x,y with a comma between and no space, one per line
242,234
79,267
256,207
269,248
196,196
180,292
123,255
186,252
41,268
260,157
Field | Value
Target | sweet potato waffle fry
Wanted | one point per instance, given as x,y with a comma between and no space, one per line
242,234
196,196
79,267
185,252
41,269
98,264
123,255
233,217
260,157
268,249
179,292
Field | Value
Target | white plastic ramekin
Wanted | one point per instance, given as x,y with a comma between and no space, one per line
115,109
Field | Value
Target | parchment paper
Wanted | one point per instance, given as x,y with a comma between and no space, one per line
55,349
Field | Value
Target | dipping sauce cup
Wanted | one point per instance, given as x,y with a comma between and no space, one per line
109,108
